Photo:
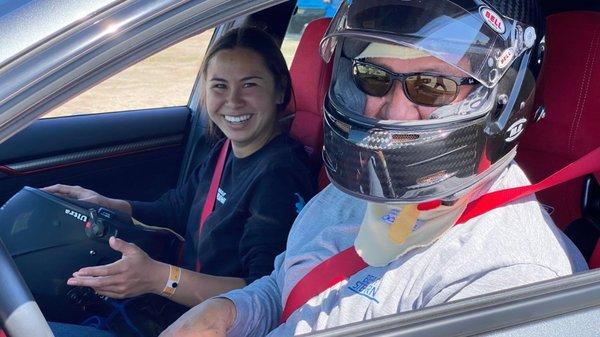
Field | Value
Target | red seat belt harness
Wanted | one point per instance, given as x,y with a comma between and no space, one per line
347,262
209,203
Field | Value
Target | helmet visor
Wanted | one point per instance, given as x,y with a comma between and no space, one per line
471,36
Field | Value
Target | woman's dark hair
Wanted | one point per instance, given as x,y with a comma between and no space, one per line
263,44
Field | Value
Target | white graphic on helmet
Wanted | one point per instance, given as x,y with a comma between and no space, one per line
492,19
506,57
529,37
515,130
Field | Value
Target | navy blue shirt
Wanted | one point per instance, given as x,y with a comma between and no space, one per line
257,201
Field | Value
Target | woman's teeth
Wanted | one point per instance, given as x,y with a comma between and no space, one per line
237,119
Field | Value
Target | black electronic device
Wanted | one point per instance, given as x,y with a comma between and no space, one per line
50,237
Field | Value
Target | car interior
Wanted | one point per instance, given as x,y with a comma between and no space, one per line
146,152
569,92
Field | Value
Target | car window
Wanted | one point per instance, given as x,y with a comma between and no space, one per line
164,79
306,11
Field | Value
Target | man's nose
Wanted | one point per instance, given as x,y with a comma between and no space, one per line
399,107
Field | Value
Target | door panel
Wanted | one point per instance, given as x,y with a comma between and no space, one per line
132,154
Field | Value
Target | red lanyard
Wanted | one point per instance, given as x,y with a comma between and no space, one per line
347,262
209,203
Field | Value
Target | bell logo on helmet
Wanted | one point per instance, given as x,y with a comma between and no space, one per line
492,19
515,130
76,215
506,57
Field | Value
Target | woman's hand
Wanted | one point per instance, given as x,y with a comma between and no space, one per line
134,274
83,194
211,318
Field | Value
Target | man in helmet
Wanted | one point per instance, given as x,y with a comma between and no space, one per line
427,102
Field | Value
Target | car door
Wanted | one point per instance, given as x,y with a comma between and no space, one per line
132,154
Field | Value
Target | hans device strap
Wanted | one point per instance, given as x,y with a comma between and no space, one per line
209,203
347,262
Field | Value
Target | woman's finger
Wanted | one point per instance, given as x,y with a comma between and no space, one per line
103,283
124,247
58,189
105,270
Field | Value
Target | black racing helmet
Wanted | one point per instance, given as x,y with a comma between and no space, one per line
491,42
50,237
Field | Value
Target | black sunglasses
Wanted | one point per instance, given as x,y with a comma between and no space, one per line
422,88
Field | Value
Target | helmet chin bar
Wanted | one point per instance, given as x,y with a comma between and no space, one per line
446,199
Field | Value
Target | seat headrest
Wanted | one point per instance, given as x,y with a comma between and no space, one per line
569,89
310,81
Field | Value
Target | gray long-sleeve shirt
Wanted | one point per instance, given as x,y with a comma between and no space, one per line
506,247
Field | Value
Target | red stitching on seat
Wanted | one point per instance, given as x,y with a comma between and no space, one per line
584,88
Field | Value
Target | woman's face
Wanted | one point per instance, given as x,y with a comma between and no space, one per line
241,99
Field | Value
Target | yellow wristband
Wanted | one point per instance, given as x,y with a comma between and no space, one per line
173,281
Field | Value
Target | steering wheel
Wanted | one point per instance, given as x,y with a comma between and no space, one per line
19,313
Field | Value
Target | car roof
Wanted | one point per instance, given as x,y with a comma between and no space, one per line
25,23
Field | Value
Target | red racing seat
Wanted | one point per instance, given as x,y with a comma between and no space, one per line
310,81
569,89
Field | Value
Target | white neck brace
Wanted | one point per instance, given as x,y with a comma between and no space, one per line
389,231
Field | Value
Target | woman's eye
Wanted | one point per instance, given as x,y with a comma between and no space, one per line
249,84
219,86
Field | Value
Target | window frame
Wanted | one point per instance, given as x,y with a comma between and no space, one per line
554,305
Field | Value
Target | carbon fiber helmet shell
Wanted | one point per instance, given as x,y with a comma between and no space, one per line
424,160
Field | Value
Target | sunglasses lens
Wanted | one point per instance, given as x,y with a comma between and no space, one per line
431,90
371,80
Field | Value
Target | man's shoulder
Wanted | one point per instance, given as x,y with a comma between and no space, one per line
516,244
326,217
519,233
519,236
334,202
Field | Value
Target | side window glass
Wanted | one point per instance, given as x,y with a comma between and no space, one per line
306,11
164,79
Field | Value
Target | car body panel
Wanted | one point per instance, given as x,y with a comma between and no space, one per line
17,34
134,154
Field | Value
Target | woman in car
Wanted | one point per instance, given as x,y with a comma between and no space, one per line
265,182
